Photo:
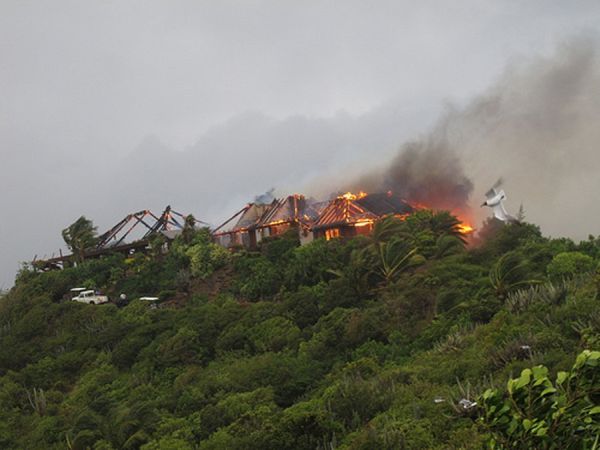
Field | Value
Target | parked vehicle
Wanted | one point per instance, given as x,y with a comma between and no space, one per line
152,301
89,296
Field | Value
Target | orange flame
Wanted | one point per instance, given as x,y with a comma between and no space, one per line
465,228
351,196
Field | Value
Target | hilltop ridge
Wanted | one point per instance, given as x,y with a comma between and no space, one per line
401,339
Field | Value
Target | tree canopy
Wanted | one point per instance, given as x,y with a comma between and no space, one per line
80,236
406,339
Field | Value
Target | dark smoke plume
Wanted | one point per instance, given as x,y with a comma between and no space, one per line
537,127
426,171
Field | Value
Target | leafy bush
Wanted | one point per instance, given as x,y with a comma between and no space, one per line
535,412
509,273
569,264
206,256
345,344
258,278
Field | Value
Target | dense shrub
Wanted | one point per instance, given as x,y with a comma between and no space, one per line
205,256
569,264
383,341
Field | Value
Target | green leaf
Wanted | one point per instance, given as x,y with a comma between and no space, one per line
548,390
504,409
509,386
561,377
539,372
488,393
595,355
524,379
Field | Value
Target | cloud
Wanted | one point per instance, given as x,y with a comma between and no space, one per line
536,127
333,90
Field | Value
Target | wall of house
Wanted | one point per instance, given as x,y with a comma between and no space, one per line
281,228
261,234
248,238
306,236
343,231
318,234
223,239
364,230
331,233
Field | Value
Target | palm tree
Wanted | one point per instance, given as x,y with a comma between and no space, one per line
444,223
357,272
394,257
447,245
388,228
189,229
438,222
80,236
391,250
509,272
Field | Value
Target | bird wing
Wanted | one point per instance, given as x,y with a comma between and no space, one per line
491,193
494,189
501,214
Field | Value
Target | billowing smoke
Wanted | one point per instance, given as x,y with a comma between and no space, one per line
537,127
428,172
265,198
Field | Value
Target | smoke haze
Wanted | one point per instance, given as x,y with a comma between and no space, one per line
537,127
112,107
428,172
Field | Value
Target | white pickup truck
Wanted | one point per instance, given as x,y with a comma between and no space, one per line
89,296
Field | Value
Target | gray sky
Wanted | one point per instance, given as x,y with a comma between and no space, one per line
113,106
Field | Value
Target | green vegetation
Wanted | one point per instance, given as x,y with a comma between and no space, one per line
536,413
405,339
79,236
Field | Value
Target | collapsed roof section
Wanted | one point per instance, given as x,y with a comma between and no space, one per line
384,203
166,224
283,210
346,214
130,234
246,218
291,209
352,210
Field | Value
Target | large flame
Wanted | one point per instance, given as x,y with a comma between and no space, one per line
351,196
465,228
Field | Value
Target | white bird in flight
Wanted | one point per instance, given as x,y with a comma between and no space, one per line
494,199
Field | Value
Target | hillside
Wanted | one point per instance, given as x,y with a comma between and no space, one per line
380,342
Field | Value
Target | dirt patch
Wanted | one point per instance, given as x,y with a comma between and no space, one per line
219,282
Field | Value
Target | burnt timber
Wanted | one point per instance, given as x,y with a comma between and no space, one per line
168,224
344,216
257,221
349,215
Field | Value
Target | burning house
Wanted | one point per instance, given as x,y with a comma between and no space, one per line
355,214
293,212
240,229
257,221
347,215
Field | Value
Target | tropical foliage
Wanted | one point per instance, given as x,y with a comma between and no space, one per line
535,412
79,236
401,340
